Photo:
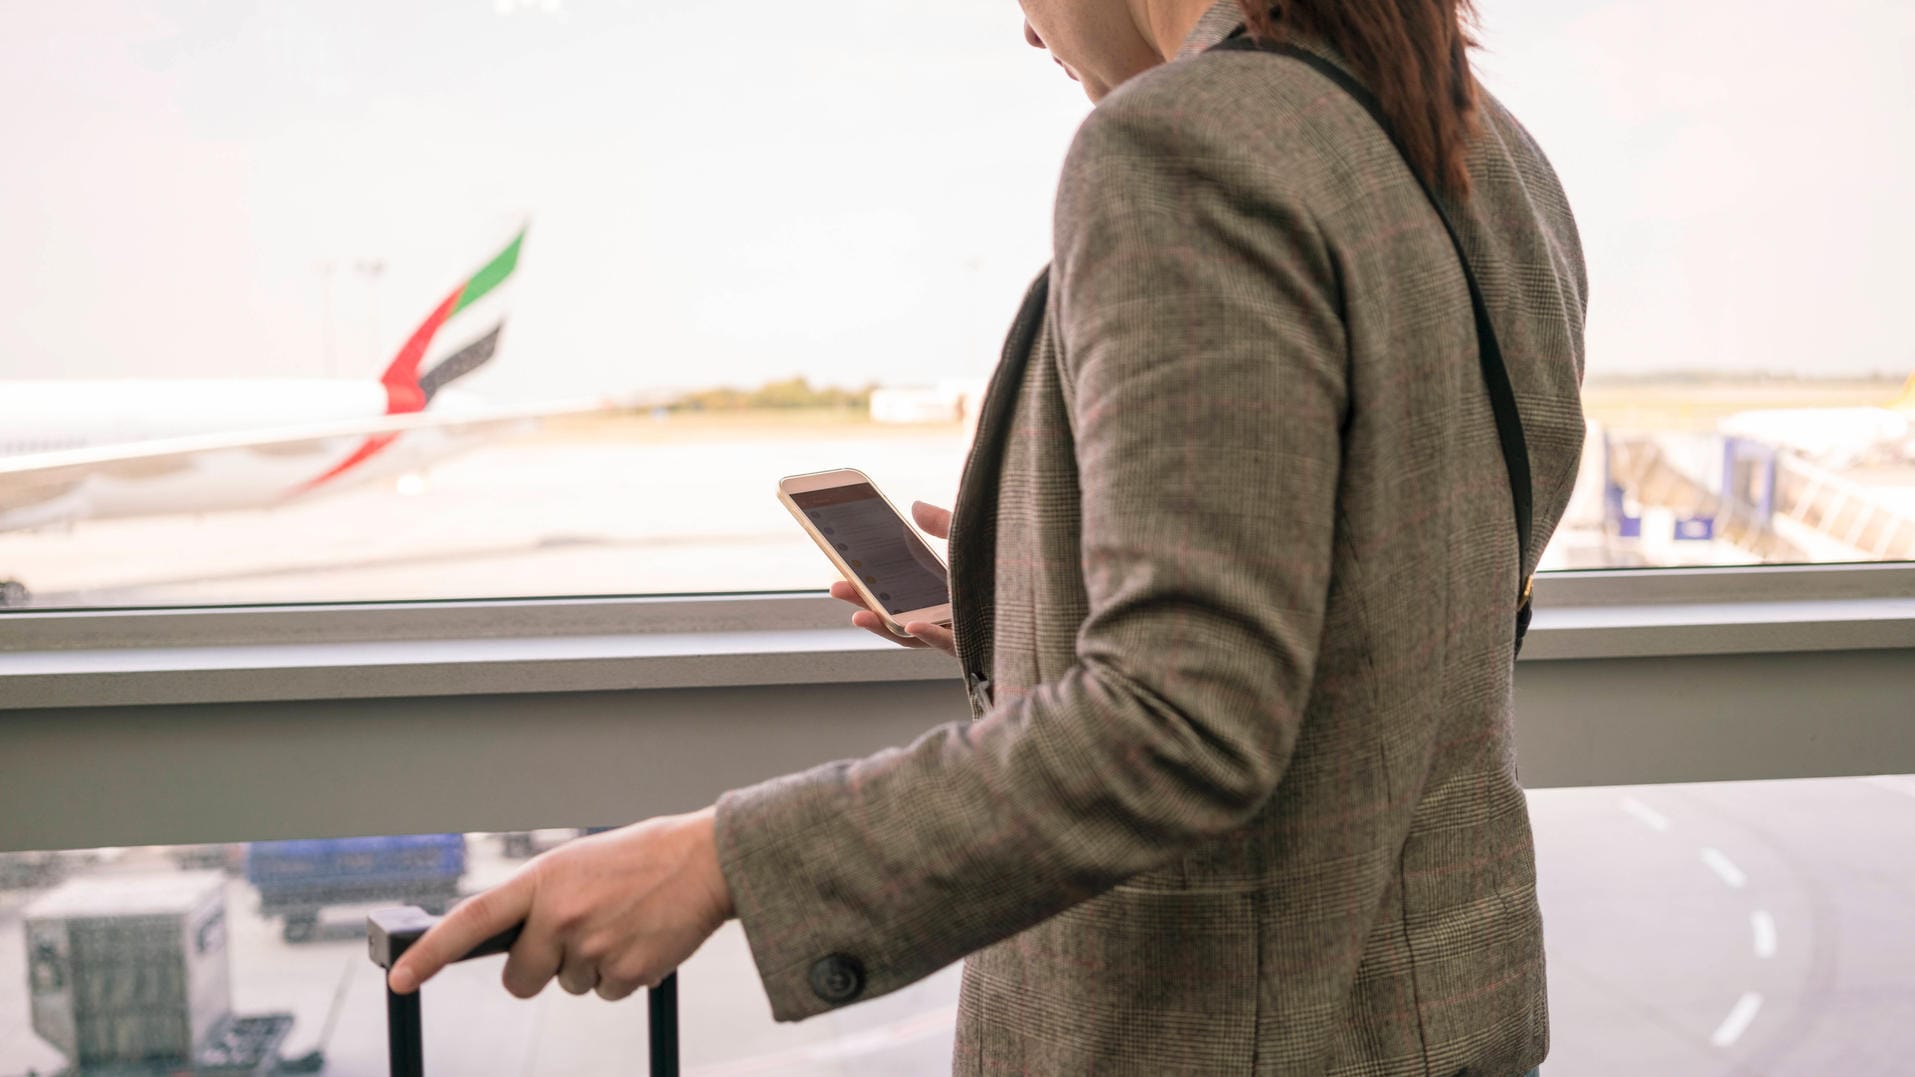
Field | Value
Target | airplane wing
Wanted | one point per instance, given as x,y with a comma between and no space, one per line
34,479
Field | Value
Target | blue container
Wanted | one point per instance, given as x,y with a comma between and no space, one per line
298,878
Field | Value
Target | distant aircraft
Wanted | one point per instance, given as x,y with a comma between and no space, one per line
1837,437
87,450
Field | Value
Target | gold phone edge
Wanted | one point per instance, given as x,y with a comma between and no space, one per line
845,570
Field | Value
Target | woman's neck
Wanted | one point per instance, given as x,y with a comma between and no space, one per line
1166,24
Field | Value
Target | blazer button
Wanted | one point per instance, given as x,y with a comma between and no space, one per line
838,978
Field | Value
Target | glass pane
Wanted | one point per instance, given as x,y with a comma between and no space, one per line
143,958
528,297
747,245
1728,928
1743,215
1723,928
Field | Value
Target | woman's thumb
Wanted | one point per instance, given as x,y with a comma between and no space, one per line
935,521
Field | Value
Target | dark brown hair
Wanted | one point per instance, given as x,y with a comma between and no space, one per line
1413,54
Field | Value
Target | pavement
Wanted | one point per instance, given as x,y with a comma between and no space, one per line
517,519
1745,929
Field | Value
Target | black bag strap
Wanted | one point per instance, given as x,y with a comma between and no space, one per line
1502,395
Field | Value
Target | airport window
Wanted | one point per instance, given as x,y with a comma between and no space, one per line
238,958
1706,928
540,297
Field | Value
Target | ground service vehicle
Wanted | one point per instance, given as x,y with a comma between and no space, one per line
296,879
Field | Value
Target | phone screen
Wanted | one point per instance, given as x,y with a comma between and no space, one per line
889,557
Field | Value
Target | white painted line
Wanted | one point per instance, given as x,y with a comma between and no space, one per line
1764,926
1720,863
1734,1025
1644,814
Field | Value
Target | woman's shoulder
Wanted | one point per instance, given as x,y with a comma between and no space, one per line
1275,126
1230,111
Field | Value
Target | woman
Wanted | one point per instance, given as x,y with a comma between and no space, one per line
1235,583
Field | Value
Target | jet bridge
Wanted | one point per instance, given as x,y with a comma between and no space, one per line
1769,502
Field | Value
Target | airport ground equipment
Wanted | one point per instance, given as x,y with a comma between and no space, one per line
524,844
131,975
1766,500
34,870
296,879
389,932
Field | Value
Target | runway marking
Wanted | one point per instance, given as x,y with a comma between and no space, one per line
1764,927
1734,1025
1724,867
1644,814
896,1034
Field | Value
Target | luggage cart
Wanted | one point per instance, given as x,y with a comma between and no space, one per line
129,976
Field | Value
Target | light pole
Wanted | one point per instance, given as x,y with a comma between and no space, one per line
371,269
327,267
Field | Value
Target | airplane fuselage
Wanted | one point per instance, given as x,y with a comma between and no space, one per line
56,416
81,450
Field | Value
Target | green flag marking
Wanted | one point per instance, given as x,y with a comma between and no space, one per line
488,278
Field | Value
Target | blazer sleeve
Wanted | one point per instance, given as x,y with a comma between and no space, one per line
1204,354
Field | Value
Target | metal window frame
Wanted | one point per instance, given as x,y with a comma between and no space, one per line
171,726
367,650
315,623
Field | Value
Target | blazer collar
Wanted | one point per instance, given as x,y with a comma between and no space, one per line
973,547
1216,24
1225,16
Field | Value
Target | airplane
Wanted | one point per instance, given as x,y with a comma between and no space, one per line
78,450
1837,437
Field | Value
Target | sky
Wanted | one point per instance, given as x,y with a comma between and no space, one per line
733,194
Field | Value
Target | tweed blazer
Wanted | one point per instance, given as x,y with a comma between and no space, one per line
1235,550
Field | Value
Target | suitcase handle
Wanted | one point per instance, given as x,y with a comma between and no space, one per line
390,932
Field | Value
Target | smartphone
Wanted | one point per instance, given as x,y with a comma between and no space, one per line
900,577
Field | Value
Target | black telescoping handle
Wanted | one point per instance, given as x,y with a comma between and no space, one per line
390,932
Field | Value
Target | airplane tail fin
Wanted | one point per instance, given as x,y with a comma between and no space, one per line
1905,402
411,380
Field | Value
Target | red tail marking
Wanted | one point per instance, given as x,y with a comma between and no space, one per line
401,379
366,449
403,393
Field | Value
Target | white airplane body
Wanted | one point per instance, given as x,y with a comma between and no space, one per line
70,420
86,450
55,415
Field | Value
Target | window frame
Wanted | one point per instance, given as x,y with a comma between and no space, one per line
186,655
175,726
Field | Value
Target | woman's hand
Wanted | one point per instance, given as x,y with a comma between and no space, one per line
610,913
936,522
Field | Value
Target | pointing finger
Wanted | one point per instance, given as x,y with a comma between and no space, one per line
474,921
